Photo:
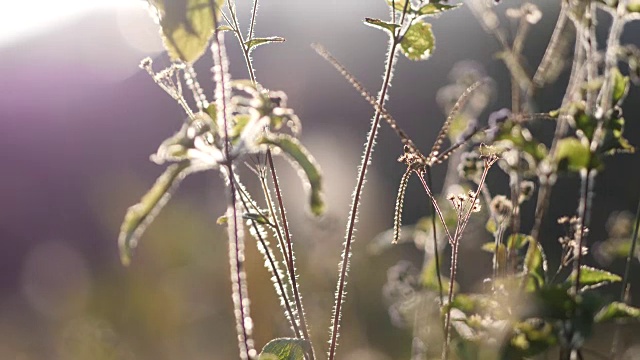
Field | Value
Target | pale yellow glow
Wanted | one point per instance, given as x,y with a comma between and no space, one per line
24,18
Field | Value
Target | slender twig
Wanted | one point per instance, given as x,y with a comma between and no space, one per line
275,272
287,249
435,206
460,227
587,180
253,19
550,52
353,214
435,238
236,241
292,273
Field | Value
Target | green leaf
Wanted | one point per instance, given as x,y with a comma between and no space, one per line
435,9
617,310
591,278
502,252
517,241
302,159
377,23
140,215
633,6
284,349
418,42
250,44
254,216
572,155
491,226
224,28
187,26
620,86
538,270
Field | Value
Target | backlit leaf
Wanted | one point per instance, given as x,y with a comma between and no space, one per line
617,310
592,277
284,349
620,86
435,9
572,155
186,26
140,215
251,44
418,43
386,26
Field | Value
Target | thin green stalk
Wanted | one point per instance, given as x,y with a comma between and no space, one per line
288,251
292,267
435,238
244,322
460,228
353,214
587,182
275,272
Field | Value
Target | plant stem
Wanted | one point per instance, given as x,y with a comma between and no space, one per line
275,272
291,267
583,215
435,238
353,214
460,227
244,323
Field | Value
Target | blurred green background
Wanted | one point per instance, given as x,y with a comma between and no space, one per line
78,120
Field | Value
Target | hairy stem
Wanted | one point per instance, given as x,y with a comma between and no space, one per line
436,255
244,323
291,267
273,267
353,214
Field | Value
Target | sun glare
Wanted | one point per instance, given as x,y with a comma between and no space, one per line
19,19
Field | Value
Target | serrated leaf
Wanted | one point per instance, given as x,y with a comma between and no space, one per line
592,278
435,9
386,26
284,349
140,215
617,310
308,168
572,155
418,42
187,26
250,44
620,86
